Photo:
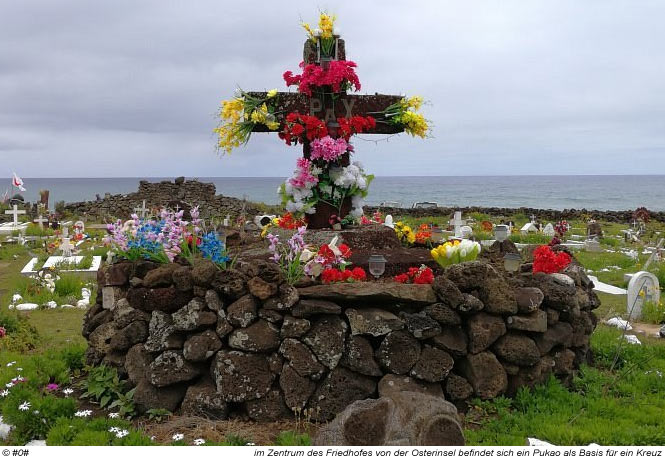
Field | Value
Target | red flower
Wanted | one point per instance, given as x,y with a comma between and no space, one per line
359,274
402,278
340,75
333,275
416,275
547,261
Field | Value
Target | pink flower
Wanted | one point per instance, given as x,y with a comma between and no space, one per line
328,149
3,332
52,387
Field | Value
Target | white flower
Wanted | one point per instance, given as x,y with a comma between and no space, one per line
83,413
199,442
24,407
11,364
9,385
67,391
306,255
114,429
4,393
121,434
250,444
114,415
178,437
19,369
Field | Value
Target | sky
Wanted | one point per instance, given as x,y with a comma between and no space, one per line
131,88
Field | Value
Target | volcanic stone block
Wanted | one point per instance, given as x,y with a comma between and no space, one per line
171,367
359,357
447,292
339,389
272,316
552,316
471,304
372,321
213,301
529,299
326,339
420,325
310,307
532,322
230,284
167,299
483,331
200,347
493,290
161,276
453,340
559,334
297,389
458,388
241,376
294,327
485,374
96,320
391,383
260,337
559,291
268,408
137,361
100,338
161,333
261,289
203,272
288,297
518,349
242,312
193,316
110,295
564,362
443,314
202,400
301,359
182,278
148,396
124,314
116,274
398,352
372,293
133,333
433,365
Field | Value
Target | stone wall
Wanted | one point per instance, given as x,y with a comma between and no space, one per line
211,342
548,215
181,192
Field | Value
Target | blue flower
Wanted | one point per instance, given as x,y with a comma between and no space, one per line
213,248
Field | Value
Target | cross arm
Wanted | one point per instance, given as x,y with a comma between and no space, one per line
346,105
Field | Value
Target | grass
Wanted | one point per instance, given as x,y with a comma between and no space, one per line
624,407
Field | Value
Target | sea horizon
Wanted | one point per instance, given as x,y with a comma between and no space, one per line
616,192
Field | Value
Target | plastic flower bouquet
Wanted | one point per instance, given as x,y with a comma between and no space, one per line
454,252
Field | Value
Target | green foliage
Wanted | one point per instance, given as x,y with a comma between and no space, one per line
21,335
11,251
95,432
84,264
124,404
291,438
631,397
530,238
653,313
35,230
104,386
158,415
74,357
612,242
35,422
235,440
598,260
69,285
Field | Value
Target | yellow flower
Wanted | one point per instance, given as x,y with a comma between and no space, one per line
272,125
413,102
233,109
414,124
326,24
308,29
271,93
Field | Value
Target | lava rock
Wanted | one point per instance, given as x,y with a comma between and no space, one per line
288,297
457,388
203,272
391,383
339,389
200,347
230,284
261,289
372,321
326,339
420,325
100,338
310,307
260,337
202,400
268,408
398,352
148,396
447,292
294,327
529,299
483,330
532,322
301,359
213,301
518,349
133,333
297,389
559,334
242,312
359,357
183,279
171,367
161,334
162,276
137,361
485,374
443,314
124,314
453,340
193,316
241,376
433,365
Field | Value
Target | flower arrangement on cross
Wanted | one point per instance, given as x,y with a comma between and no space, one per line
323,118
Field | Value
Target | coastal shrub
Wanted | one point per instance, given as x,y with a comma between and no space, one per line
653,312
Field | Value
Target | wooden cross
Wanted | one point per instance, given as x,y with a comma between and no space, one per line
142,210
40,221
15,212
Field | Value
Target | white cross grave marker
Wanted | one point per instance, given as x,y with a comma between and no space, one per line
65,228
66,247
458,222
15,212
141,211
41,221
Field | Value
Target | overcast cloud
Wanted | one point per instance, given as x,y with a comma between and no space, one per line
130,88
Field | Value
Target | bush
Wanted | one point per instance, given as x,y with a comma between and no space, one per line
653,313
105,387
531,238
291,438
68,285
21,335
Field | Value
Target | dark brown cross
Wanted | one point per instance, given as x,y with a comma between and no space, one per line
328,110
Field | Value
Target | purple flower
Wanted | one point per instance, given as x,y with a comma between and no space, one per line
52,387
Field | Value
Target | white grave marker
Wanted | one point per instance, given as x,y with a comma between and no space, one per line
457,222
66,247
15,212
548,230
142,210
643,287
41,221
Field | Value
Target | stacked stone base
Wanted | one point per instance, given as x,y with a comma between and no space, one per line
211,343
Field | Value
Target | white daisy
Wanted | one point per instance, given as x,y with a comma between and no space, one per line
25,406
121,434
178,437
114,429
199,442
4,393
68,391
250,444
11,364
9,385
83,413
114,415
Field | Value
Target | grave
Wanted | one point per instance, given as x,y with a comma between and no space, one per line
642,287
10,227
457,223
141,211
549,230
30,268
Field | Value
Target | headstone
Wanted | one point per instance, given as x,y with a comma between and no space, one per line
141,210
643,287
66,247
15,212
466,232
548,230
592,245
529,227
65,228
41,221
388,221
227,221
457,222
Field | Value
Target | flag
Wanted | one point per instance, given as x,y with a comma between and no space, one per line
18,183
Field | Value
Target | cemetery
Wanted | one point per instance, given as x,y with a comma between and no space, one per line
176,316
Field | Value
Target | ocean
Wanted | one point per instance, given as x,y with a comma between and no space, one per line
553,192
